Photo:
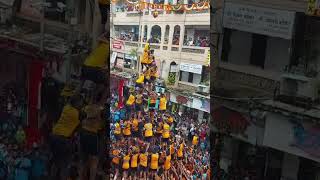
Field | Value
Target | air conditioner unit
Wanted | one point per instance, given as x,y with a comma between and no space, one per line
299,86
203,88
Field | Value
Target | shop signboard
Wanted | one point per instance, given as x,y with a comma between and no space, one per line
193,68
117,45
295,137
270,22
201,104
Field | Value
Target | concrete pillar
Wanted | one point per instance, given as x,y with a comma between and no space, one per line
290,167
149,31
96,26
182,30
171,31
88,20
163,31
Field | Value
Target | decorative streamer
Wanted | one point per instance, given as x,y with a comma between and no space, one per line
140,5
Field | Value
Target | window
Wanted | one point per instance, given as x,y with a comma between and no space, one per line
258,50
54,12
190,77
226,46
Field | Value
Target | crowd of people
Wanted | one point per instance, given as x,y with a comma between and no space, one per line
198,42
149,141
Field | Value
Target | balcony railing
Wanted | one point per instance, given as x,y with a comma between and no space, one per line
174,48
133,13
130,43
191,49
155,46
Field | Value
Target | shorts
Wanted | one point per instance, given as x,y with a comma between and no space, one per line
166,140
142,168
138,107
139,85
61,149
146,80
153,105
152,78
135,133
93,74
89,143
148,139
117,137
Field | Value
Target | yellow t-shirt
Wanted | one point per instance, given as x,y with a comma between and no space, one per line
148,132
134,160
166,131
163,103
68,122
145,57
93,122
116,159
126,164
139,98
140,79
195,140
135,125
143,159
154,161
117,129
167,163
127,129
131,100
180,150
98,57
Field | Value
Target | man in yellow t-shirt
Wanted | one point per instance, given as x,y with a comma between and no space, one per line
95,64
62,132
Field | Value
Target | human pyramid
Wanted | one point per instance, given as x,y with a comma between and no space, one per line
143,143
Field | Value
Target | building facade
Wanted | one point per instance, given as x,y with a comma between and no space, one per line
180,40
267,81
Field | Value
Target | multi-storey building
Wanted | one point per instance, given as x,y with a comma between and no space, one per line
266,91
180,40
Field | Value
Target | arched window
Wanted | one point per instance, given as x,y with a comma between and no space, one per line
176,35
172,72
155,34
166,34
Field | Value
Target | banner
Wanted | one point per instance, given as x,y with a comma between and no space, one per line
193,68
294,137
270,22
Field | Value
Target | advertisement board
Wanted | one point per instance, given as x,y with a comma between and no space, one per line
193,68
270,22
